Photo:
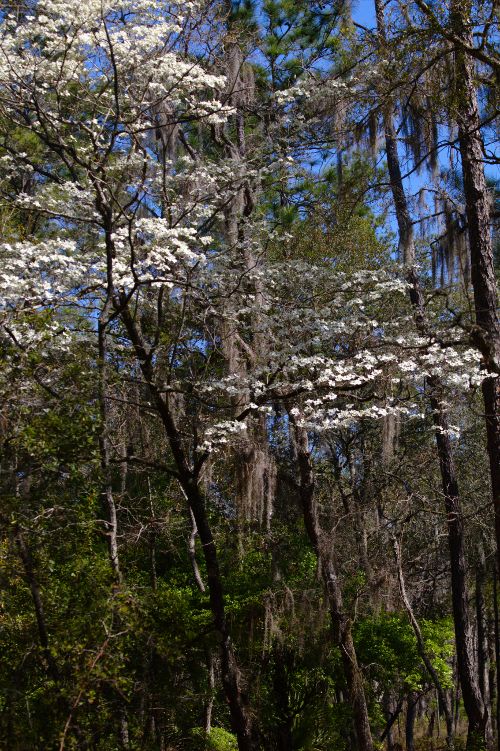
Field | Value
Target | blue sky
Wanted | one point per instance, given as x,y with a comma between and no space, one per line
364,12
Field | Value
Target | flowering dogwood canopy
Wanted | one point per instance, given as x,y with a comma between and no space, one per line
98,85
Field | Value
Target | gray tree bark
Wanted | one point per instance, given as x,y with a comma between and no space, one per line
340,620
473,702
477,205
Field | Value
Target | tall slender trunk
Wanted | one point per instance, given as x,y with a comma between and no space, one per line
108,501
207,724
477,206
360,491
43,635
392,712
483,662
189,481
192,554
341,622
473,701
281,688
230,673
487,332
466,664
255,466
231,677
411,715
443,699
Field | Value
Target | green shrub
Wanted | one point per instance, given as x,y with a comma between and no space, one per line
217,740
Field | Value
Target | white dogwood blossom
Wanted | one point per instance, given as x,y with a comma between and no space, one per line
114,97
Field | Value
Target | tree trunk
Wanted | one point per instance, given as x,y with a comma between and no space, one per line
108,501
207,724
473,702
281,689
230,673
43,636
471,694
483,645
231,678
341,623
391,711
477,205
411,714
442,698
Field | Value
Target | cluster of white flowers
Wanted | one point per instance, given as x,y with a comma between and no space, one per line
310,87
333,419
452,431
64,54
323,354
220,434
37,274
155,253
